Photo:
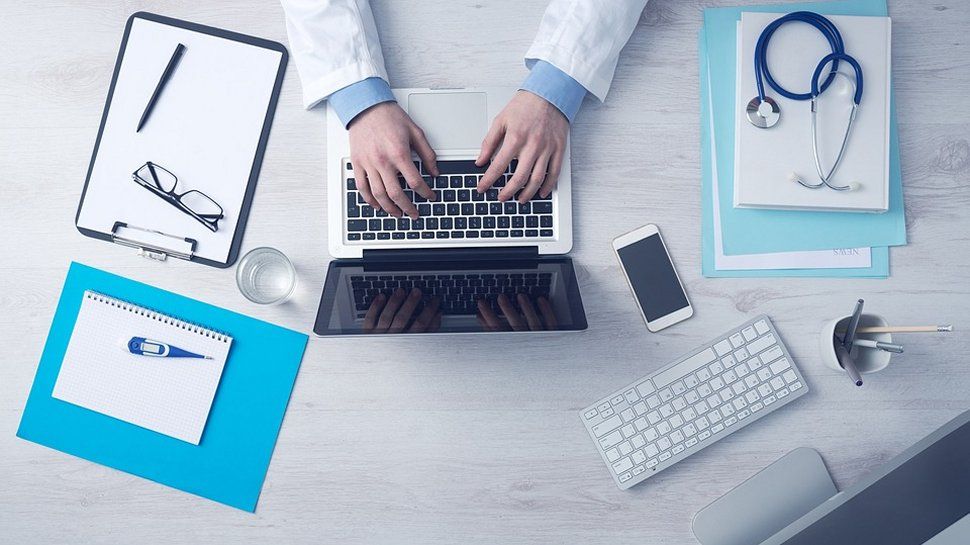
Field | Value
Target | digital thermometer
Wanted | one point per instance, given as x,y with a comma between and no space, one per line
140,346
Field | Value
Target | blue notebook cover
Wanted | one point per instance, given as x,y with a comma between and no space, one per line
751,231
880,255
230,462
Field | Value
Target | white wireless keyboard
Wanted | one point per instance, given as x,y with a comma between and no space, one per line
699,399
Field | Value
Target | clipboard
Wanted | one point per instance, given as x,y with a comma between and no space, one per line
209,127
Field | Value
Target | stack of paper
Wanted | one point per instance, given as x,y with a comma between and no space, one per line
758,242
766,158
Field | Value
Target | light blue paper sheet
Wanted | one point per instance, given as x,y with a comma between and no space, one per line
230,462
880,255
751,231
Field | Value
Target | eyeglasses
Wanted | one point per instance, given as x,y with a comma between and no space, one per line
195,203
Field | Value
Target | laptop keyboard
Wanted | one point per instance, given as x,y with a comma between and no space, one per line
460,212
458,293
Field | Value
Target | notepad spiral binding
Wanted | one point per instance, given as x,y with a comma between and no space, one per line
158,316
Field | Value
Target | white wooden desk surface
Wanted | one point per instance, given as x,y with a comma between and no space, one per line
475,439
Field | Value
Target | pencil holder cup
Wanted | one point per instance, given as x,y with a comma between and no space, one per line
866,360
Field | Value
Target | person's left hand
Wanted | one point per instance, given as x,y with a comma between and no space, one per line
393,314
534,131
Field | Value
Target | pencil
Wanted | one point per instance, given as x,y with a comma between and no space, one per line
945,328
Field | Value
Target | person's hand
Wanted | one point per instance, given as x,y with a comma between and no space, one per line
393,314
381,140
534,131
527,320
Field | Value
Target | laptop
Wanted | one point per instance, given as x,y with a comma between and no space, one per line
470,263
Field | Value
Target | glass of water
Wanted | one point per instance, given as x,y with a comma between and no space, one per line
265,276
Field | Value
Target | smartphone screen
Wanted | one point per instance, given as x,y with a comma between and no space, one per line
652,277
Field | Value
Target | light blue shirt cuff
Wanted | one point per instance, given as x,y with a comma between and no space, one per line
357,97
557,87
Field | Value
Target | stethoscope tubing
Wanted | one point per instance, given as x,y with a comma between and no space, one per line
761,71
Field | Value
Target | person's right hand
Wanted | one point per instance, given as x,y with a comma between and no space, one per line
381,140
528,320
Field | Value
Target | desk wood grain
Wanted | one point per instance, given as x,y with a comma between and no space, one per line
475,439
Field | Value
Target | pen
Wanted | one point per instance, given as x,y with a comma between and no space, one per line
842,350
140,346
166,75
879,345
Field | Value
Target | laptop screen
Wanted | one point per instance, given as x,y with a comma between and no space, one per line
365,298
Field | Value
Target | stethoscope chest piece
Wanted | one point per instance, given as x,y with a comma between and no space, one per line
763,113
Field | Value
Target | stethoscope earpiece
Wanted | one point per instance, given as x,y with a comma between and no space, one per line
852,186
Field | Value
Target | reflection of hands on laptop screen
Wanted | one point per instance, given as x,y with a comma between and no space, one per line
403,312
522,316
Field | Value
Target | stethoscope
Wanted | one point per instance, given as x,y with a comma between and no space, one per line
763,111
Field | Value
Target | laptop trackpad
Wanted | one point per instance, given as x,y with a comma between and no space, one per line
450,120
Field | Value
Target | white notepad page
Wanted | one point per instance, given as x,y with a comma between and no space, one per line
171,396
766,158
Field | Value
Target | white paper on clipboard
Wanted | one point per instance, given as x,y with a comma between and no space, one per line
205,128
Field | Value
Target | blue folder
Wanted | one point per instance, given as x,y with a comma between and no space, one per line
750,231
880,255
230,462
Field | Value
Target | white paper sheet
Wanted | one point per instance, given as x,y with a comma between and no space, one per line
205,128
167,395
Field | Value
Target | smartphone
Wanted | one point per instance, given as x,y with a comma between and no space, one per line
650,272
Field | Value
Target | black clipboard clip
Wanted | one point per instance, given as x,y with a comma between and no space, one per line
152,244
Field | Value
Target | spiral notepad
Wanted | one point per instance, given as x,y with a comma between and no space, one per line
171,396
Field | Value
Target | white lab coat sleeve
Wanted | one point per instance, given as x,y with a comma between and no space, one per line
334,44
583,38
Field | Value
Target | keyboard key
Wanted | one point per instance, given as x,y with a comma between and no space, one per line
779,366
590,414
611,440
761,343
460,167
689,365
761,327
540,207
612,455
722,348
623,465
749,333
357,225
737,340
772,354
